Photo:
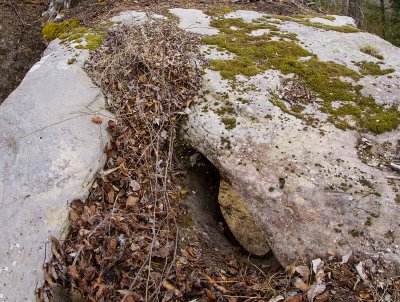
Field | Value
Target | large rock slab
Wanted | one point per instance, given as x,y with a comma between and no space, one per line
50,151
314,189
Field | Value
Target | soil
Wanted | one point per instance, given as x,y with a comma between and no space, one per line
21,42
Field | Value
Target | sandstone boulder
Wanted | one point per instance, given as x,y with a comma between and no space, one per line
50,151
301,117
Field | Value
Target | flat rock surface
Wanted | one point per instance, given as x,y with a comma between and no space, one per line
50,151
314,189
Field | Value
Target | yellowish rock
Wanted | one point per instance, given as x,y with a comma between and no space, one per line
240,221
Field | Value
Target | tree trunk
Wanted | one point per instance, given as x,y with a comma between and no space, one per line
345,7
383,18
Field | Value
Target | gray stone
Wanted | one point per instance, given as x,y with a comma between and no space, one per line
132,18
50,151
338,21
194,20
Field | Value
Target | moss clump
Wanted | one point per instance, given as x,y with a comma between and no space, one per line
226,142
330,18
305,20
255,55
218,11
366,183
93,41
397,198
54,30
70,32
355,233
382,120
228,109
369,50
370,68
185,221
229,122
277,102
342,29
229,69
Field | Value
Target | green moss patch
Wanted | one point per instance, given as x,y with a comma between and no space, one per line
229,122
54,30
342,29
370,68
255,55
70,32
305,20
218,11
369,50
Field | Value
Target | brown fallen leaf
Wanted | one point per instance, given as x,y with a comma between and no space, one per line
168,286
298,283
184,192
112,245
324,297
132,201
73,271
55,248
112,126
97,120
110,196
215,284
73,215
210,295
162,252
297,298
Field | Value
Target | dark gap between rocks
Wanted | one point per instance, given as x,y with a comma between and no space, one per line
200,208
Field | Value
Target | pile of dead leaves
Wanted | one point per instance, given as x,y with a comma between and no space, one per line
122,241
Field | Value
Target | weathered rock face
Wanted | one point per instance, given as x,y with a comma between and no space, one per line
240,221
50,151
286,122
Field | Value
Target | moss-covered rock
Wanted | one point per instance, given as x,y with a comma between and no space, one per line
70,32
256,54
54,30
